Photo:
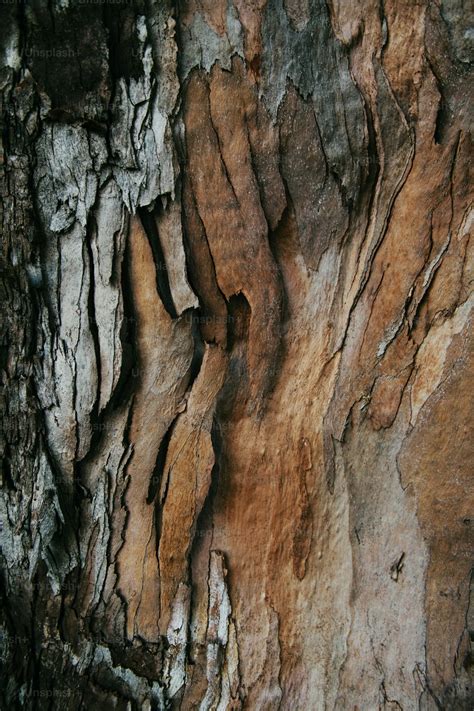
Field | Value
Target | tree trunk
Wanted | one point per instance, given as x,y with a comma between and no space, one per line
236,365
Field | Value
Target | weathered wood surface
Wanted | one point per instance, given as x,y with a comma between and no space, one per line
236,283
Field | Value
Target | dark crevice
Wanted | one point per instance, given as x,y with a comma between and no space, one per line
239,320
6,469
192,262
431,281
199,347
94,328
159,505
129,376
236,388
219,148
371,181
125,57
442,120
162,282
126,384
159,467
201,273
443,114
275,240
255,171
204,521
65,496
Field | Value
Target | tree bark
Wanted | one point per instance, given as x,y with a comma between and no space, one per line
236,360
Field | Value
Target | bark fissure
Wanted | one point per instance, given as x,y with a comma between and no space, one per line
236,282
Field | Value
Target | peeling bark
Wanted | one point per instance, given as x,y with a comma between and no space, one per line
236,278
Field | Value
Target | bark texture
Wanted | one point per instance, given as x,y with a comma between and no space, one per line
236,283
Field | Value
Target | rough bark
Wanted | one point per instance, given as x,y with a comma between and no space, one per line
236,360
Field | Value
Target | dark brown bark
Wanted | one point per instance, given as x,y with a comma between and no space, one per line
236,279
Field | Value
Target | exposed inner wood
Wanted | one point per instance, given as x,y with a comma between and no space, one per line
236,360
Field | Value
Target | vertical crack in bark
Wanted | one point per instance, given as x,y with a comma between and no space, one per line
91,315
162,281
156,478
331,267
